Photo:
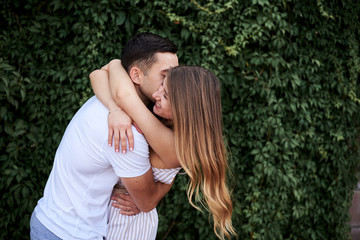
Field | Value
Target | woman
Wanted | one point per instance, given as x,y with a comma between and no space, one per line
190,97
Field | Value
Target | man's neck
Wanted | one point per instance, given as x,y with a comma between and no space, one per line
143,98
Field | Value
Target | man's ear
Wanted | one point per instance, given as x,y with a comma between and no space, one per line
136,75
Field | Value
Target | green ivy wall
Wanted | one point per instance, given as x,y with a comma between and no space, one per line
291,103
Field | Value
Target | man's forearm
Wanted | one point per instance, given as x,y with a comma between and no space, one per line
162,190
145,192
126,203
151,202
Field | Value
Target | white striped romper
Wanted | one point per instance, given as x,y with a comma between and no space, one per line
142,226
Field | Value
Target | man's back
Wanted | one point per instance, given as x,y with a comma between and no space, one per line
85,170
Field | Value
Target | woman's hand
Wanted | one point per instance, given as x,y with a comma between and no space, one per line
124,202
119,124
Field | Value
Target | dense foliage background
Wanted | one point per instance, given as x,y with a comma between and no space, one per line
290,76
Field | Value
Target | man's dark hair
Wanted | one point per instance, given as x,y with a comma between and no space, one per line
141,50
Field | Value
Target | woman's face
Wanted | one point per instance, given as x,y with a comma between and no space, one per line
162,105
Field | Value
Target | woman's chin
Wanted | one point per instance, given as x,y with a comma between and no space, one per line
161,114
155,111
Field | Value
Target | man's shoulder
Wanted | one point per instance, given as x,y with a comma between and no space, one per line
92,110
94,102
133,163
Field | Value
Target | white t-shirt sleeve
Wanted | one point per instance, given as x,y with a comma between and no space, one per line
133,163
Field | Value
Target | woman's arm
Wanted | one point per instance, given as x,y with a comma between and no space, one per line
160,138
119,122
100,84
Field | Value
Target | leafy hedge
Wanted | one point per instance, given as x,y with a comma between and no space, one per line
290,76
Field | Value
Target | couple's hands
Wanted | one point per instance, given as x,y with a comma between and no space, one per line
125,203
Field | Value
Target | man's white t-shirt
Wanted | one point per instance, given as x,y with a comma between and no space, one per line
86,168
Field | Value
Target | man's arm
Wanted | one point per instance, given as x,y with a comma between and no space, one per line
136,174
125,203
144,191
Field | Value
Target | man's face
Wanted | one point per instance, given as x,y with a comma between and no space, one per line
154,77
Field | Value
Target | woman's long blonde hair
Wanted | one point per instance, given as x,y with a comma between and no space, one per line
194,94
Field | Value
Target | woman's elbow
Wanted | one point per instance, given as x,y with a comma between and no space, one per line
93,75
117,95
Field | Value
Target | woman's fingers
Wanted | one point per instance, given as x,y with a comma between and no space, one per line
110,136
120,131
130,138
123,140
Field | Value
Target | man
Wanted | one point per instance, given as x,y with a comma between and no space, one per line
86,168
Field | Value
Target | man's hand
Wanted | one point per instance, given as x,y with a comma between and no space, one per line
124,202
120,128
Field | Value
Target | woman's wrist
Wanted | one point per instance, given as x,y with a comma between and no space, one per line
112,106
116,110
